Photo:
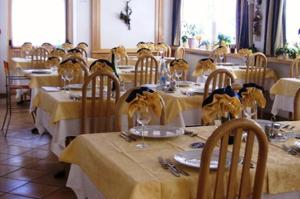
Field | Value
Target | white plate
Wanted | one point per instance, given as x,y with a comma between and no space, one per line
184,83
297,144
41,71
74,86
264,123
125,66
157,131
51,88
151,86
226,64
196,91
192,158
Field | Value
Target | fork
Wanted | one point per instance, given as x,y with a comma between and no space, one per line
289,150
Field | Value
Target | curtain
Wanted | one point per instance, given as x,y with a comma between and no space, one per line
176,23
275,26
242,24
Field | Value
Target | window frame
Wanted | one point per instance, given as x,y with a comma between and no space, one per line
68,23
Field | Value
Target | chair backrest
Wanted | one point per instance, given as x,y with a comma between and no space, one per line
180,53
67,46
143,52
100,93
58,52
146,71
26,49
48,46
83,52
83,45
165,48
256,69
219,54
297,105
295,68
122,107
75,52
102,65
75,65
219,78
217,145
52,61
39,57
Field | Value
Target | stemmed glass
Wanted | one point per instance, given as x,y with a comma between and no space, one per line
143,117
69,75
178,74
250,112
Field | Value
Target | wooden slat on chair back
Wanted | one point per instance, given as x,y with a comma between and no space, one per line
146,71
256,69
234,187
122,107
38,57
295,68
83,45
98,102
180,53
219,78
297,106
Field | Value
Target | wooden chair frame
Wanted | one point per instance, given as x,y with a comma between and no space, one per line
144,68
256,69
218,78
234,127
106,79
119,108
295,68
297,106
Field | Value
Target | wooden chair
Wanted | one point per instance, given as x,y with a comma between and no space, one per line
167,51
75,52
10,86
58,52
48,46
256,69
52,61
78,67
83,45
26,49
143,52
218,142
180,53
297,106
83,52
219,78
295,68
67,46
219,54
146,71
122,107
100,93
39,57
101,65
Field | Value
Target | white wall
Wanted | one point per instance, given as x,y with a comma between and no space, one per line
115,32
3,40
82,25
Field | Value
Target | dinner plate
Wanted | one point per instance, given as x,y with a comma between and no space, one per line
264,123
41,71
51,88
125,66
226,64
192,158
74,86
157,131
184,83
195,91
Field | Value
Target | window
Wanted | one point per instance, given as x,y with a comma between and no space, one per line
211,18
292,23
38,21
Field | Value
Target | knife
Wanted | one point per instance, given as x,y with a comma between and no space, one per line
179,170
125,137
165,165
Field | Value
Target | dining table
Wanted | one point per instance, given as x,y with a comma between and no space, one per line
104,165
58,112
284,90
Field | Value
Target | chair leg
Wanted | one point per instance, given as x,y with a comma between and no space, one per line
9,116
6,112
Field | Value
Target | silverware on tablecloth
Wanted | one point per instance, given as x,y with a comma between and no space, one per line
129,135
126,138
290,150
165,165
171,164
190,133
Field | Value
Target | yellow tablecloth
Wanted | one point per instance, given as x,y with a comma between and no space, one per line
111,162
239,72
60,106
286,87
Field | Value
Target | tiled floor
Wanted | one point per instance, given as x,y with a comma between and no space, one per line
27,166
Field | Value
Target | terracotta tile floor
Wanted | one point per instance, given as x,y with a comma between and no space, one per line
27,166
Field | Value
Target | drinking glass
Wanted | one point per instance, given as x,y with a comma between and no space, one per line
143,118
250,112
178,74
69,75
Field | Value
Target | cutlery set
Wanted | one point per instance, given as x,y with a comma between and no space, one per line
293,150
168,164
127,137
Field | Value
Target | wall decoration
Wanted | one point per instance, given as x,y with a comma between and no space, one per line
257,19
126,16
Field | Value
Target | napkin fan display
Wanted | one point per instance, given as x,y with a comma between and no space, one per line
179,64
204,65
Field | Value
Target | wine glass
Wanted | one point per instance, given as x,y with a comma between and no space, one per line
178,74
69,75
250,112
143,117
221,57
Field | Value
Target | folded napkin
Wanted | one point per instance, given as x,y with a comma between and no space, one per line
250,94
204,65
104,66
220,103
143,52
119,51
179,64
221,50
245,52
142,98
69,65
